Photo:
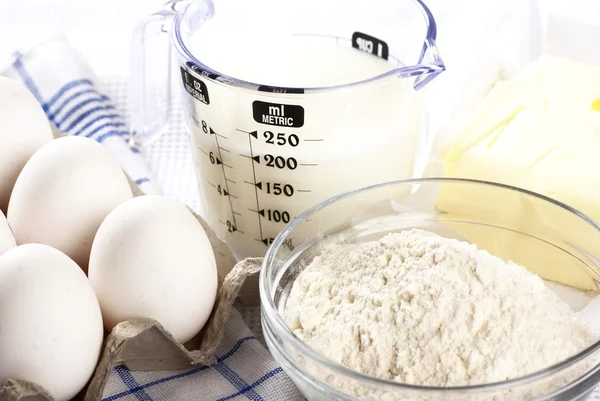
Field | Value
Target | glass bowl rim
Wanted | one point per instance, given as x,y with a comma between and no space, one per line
280,328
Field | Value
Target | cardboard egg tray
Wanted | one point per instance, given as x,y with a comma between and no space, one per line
143,344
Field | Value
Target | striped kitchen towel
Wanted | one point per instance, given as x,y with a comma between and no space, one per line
66,87
244,370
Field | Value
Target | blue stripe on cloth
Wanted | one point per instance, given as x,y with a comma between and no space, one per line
257,383
84,115
65,88
28,81
113,124
73,97
78,106
235,348
109,134
135,149
141,180
181,375
95,120
132,384
156,382
237,381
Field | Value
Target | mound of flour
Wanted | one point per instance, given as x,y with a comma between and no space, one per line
418,308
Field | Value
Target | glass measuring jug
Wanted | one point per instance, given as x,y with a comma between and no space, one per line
289,102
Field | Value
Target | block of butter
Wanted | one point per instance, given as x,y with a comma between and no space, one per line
539,131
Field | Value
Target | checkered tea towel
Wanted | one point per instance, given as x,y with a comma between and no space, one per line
245,370
67,89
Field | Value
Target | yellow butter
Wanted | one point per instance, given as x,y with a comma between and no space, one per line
502,104
568,85
536,132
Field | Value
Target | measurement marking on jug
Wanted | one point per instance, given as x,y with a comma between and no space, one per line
275,215
276,188
196,121
211,184
231,181
232,227
225,192
212,132
203,151
224,150
280,138
255,188
268,241
309,164
313,140
278,114
279,162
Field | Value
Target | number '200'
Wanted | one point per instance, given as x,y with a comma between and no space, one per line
281,162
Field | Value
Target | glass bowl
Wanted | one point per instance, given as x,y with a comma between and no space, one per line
545,236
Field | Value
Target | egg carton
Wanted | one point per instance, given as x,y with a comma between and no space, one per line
144,345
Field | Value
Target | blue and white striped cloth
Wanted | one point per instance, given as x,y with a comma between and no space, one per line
245,370
66,88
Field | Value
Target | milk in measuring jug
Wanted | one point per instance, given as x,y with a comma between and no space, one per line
263,158
292,61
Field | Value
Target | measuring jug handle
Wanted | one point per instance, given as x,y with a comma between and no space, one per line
151,63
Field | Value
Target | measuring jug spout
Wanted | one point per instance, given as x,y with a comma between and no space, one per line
430,62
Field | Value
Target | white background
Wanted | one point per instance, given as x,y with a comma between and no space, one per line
102,29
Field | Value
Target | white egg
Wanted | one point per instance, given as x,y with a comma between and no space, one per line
24,129
7,239
151,258
50,322
63,193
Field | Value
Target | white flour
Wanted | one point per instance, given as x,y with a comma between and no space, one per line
422,309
